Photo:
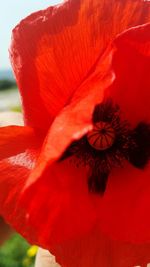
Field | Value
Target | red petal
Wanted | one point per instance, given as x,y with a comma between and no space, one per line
64,205
14,173
131,89
125,207
58,205
16,139
12,180
54,50
69,211
96,249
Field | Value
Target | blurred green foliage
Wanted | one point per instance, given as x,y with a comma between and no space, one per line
16,252
7,84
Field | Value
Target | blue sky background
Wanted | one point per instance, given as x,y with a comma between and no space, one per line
12,11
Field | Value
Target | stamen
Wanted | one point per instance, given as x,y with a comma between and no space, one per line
97,182
139,154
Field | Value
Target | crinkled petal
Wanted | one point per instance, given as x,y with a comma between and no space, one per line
17,158
12,180
54,50
131,89
14,172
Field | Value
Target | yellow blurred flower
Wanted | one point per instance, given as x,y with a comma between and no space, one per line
31,252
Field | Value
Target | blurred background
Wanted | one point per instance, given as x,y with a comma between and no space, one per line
15,251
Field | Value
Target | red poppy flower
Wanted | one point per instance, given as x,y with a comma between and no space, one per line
82,160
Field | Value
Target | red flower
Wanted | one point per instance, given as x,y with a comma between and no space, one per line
78,78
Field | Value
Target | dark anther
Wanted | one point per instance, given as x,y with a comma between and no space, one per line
97,182
104,111
139,153
67,154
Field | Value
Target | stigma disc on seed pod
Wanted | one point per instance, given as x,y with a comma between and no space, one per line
102,136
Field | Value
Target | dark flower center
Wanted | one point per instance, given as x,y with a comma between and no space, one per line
108,144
